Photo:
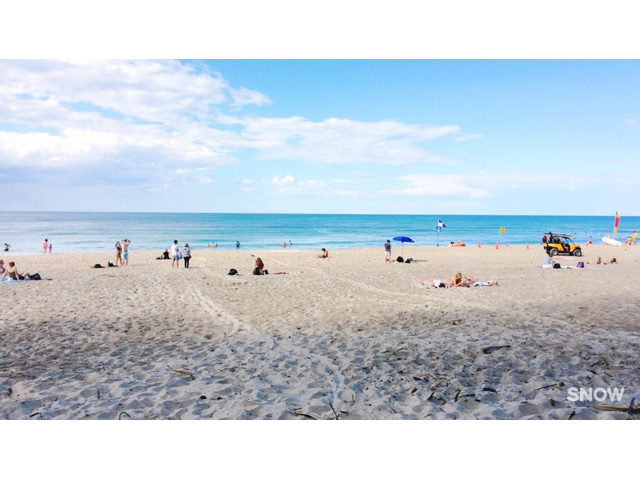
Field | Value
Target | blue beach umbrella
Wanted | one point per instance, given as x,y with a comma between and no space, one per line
403,240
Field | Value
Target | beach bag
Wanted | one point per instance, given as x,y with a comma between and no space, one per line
408,260
580,264
557,265
233,271
35,276
400,260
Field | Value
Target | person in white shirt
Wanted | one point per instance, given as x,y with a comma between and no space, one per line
175,254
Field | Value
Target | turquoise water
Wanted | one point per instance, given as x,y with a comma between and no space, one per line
96,232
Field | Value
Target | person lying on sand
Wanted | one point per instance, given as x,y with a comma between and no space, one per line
324,254
458,281
260,270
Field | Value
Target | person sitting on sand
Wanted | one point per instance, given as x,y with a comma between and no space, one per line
164,256
324,254
613,260
598,261
548,262
12,272
2,267
260,270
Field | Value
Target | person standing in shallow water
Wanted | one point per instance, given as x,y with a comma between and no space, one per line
45,244
50,247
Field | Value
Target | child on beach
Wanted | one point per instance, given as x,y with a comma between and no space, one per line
324,254
50,247
387,252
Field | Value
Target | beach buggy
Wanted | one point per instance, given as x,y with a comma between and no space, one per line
560,244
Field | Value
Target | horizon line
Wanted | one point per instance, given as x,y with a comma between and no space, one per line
290,213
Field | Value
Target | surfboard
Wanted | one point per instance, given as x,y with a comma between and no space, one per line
611,241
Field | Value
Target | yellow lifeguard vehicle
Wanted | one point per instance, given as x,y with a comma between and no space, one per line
560,244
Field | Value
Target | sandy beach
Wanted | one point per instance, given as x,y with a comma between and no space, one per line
347,337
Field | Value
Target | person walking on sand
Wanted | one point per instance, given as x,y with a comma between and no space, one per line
186,253
125,251
45,244
118,253
387,251
175,254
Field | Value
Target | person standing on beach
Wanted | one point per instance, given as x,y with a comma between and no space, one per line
125,251
175,254
387,251
186,253
45,244
118,253
50,247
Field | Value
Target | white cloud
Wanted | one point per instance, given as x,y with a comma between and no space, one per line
206,180
77,119
283,181
343,141
465,137
248,189
489,184
246,181
439,186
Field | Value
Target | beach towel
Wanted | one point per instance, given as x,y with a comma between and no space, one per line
11,280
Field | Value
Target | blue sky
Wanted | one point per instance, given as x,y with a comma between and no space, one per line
439,137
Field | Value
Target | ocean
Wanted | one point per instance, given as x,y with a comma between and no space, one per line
98,232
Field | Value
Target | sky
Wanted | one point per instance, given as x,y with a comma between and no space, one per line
319,136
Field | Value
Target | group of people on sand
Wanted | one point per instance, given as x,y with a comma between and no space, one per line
11,273
458,280
178,254
122,252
